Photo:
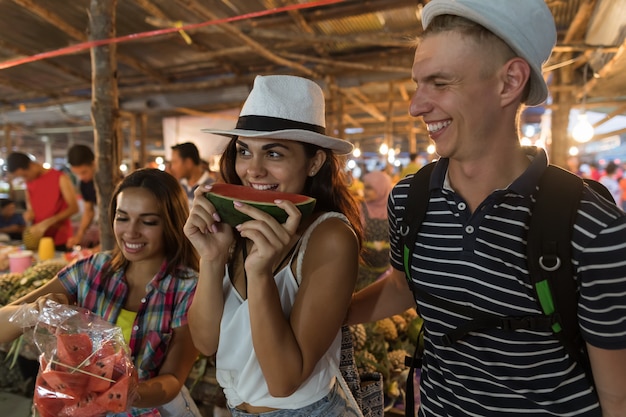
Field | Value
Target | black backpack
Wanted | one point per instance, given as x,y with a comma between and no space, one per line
549,265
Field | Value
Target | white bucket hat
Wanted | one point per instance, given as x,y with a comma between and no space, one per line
285,107
527,26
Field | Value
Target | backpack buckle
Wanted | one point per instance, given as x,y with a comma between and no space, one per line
555,261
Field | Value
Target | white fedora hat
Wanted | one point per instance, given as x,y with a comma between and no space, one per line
285,107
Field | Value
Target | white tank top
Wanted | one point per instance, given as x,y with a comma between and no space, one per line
238,370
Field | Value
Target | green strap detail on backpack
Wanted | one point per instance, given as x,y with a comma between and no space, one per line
547,302
407,255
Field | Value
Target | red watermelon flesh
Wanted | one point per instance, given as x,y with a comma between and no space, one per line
86,407
103,363
102,367
67,386
73,348
223,195
46,400
115,399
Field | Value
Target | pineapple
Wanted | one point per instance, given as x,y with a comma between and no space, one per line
387,328
396,359
400,322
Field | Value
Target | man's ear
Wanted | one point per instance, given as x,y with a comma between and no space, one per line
515,78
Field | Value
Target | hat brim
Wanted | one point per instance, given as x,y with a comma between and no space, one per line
538,92
338,146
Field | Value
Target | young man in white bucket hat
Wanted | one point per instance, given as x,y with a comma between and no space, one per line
272,296
477,62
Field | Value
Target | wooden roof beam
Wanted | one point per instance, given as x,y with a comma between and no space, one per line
62,68
350,65
302,24
159,19
606,69
78,35
618,111
337,11
230,29
359,102
378,39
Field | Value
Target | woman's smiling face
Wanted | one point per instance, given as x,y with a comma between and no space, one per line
273,164
138,226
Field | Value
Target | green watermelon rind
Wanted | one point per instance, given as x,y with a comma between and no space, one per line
231,216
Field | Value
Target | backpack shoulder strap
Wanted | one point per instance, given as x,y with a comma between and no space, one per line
549,257
418,196
599,188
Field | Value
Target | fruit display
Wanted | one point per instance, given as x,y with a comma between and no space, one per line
382,347
223,196
16,285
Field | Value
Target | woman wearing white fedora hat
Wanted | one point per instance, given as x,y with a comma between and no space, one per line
272,297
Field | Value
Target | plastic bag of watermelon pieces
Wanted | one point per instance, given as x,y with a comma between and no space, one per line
85,365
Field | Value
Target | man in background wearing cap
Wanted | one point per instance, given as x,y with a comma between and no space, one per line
477,62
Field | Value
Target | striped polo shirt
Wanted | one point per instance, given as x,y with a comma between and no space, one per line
479,260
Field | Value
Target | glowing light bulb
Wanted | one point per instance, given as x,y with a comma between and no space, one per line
583,131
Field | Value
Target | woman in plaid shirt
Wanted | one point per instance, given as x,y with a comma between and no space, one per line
144,285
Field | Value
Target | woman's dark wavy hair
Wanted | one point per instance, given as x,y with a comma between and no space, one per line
173,207
329,186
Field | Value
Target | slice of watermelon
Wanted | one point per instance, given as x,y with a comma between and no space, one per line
115,399
103,368
73,348
86,407
223,195
45,399
69,387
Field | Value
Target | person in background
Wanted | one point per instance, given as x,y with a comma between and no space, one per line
415,163
50,199
375,254
144,285
82,164
622,186
188,168
392,171
610,180
11,222
476,64
272,297
355,185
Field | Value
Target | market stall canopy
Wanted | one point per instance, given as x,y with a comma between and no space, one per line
192,57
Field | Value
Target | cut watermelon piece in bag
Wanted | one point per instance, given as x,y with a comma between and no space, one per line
115,399
73,348
70,387
102,370
86,407
46,400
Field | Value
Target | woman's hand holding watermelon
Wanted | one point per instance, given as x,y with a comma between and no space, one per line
270,238
211,238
